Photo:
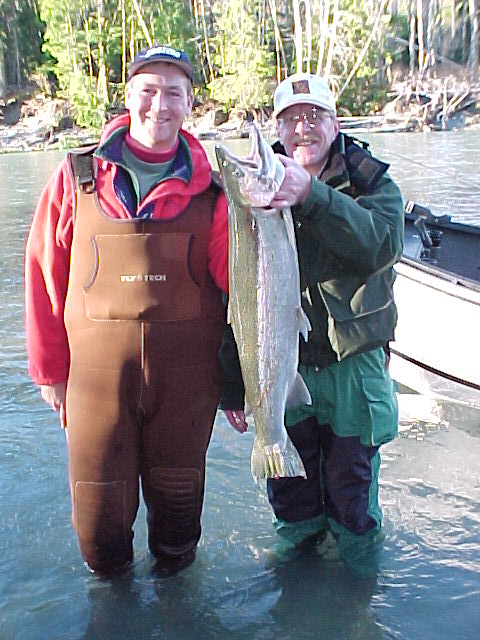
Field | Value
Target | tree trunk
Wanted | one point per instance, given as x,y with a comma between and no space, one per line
206,42
365,48
332,40
273,13
430,57
124,43
298,36
453,21
421,46
142,24
17,56
89,49
308,33
411,39
3,78
474,43
465,30
102,81
323,14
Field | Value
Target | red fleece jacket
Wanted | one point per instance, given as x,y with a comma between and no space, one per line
47,257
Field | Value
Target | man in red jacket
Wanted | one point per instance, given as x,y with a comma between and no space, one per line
126,260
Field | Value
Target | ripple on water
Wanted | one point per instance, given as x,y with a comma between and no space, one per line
240,586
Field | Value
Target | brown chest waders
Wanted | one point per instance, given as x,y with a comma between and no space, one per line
144,321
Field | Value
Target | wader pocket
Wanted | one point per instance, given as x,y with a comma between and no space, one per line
142,277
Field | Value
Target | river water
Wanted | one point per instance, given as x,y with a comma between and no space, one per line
428,583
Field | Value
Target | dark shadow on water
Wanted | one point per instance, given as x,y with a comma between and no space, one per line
324,600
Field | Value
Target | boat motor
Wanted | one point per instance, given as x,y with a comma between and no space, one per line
431,238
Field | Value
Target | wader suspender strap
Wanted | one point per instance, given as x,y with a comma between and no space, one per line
84,168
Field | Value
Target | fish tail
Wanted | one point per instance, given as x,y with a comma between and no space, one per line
273,462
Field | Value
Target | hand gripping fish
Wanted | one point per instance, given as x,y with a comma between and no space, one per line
264,302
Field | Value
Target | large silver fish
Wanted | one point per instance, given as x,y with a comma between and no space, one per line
264,302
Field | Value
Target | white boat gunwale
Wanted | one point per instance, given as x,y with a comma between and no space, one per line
459,239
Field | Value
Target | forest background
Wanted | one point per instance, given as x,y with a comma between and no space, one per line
79,50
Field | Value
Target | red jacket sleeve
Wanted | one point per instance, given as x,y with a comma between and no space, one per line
47,260
218,245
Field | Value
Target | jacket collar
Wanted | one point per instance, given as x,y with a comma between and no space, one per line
110,149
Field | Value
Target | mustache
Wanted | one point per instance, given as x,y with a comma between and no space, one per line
307,138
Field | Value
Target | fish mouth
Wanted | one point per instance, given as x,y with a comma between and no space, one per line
251,164
258,175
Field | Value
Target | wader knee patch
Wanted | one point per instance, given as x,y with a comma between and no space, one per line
99,518
174,509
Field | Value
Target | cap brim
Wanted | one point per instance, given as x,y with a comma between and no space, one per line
303,98
135,67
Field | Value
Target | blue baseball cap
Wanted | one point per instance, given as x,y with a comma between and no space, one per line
161,53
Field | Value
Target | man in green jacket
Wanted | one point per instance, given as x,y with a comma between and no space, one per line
349,228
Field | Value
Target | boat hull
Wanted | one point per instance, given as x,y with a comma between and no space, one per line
436,349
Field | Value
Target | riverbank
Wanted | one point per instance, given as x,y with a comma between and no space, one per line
36,123
26,136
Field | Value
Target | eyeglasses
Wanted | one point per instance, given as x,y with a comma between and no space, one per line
312,117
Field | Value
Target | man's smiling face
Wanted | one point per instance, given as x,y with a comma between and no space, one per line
158,98
307,133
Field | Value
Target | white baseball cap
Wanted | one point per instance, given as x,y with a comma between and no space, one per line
303,88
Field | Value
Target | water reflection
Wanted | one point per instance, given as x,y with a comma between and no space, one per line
286,601
437,169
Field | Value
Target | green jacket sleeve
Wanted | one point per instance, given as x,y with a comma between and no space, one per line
362,234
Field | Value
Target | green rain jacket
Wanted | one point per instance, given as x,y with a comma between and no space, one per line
349,234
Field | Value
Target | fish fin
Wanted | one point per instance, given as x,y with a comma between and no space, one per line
298,393
288,220
303,323
273,462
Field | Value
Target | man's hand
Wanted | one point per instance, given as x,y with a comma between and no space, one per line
295,186
236,418
54,395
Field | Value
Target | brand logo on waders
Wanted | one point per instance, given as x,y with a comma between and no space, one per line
144,277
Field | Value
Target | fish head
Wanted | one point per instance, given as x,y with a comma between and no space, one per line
256,178
232,173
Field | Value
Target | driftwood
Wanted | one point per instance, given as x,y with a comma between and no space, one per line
439,103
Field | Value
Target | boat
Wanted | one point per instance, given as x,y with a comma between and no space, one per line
436,351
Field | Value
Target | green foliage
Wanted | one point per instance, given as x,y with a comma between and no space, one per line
243,67
89,110
64,39
73,40
367,90
21,34
363,97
